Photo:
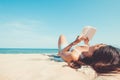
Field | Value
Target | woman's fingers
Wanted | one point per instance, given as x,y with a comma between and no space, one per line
82,38
86,41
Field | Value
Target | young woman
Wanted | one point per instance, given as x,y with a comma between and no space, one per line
103,58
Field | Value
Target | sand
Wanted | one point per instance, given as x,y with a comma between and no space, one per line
43,67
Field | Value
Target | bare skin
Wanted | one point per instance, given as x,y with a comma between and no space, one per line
68,56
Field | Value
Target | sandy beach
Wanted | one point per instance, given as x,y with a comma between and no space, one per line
43,67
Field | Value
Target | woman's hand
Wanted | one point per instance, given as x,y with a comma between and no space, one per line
81,38
86,41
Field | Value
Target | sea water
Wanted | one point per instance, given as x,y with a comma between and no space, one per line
27,51
51,52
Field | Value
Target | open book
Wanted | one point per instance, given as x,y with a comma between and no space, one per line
88,32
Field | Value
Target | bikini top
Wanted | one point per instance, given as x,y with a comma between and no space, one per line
78,52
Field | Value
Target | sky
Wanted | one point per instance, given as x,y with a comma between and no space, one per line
38,23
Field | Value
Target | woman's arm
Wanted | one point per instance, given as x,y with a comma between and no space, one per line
77,40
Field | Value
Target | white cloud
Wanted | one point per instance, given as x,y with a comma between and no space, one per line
25,34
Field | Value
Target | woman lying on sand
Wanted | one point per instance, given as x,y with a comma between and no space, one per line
101,57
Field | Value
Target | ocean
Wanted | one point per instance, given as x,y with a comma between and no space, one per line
27,51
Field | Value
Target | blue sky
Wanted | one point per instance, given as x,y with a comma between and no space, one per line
38,23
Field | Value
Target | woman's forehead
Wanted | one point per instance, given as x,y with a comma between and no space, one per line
101,44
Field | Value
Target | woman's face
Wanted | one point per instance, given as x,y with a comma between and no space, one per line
89,50
95,47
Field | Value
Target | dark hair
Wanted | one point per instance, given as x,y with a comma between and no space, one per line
105,59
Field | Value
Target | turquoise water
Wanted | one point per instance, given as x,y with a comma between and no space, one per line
27,51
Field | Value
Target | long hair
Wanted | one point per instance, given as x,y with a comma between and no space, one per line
104,60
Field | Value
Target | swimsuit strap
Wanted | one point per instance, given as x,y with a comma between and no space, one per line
78,52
